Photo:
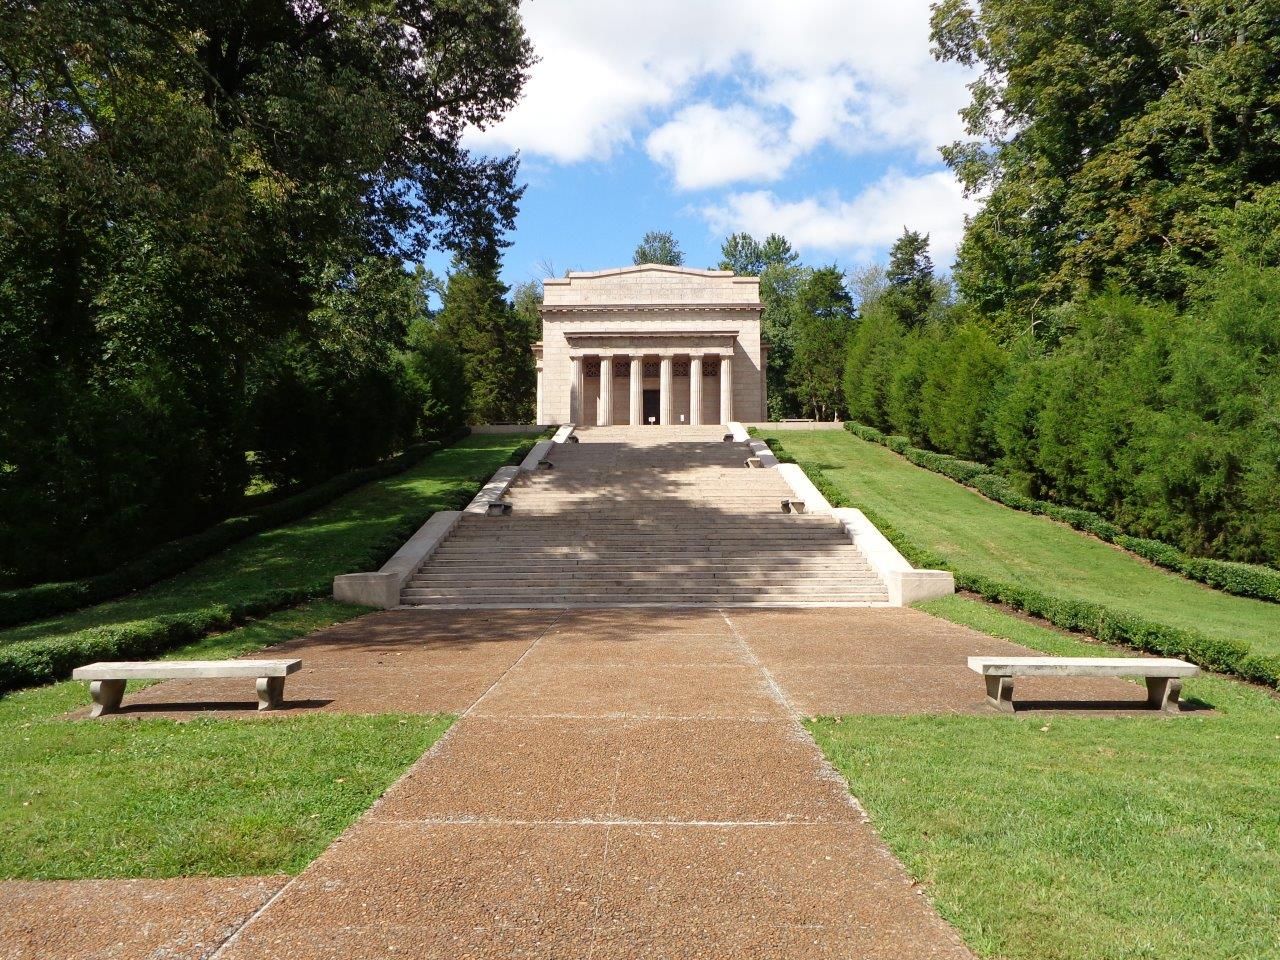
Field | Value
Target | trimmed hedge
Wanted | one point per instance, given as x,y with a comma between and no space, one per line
1240,579
47,599
30,662
1094,619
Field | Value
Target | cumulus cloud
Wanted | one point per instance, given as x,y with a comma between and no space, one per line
854,228
706,146
854,73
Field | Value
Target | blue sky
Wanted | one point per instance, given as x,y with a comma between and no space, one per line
815,118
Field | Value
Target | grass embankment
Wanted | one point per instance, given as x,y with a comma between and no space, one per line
267,571
974,535
204,797
1070,837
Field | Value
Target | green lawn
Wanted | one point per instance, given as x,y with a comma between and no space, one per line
335,539
1070,837
974,534
159,798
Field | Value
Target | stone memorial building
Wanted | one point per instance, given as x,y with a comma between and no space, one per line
651,345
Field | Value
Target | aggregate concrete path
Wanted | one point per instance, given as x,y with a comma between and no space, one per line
829,661
631,786
183,919
620,784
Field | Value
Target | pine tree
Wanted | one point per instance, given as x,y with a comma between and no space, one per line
912,289
778,267
493,340
823,319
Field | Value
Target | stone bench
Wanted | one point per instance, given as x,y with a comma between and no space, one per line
793,506
107,679
1163,677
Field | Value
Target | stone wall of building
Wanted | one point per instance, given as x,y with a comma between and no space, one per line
624,300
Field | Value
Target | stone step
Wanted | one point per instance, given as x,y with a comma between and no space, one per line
461,554
671,545
610,604
524,578
568,564
482,591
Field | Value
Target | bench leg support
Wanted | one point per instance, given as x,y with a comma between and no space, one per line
106,695
270,692
1164,693
1000,693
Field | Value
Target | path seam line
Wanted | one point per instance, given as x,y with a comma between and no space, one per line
828,770
427,755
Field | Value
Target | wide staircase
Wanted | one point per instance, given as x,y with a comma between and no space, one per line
647,516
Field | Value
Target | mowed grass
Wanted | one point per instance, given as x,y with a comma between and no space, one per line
335,539
1068,837
974,534
204,797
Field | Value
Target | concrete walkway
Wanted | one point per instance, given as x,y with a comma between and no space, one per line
638,791
620,784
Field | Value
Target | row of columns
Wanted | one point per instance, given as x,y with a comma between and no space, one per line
635,405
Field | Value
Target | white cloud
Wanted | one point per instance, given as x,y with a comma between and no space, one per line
856,73
856,228
707,146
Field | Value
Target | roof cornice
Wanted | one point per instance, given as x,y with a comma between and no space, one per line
589,308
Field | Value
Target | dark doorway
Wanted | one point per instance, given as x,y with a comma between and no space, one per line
651,403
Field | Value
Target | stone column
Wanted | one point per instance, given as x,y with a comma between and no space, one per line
664,396
575,391
726,389
604,409
637,390
695,390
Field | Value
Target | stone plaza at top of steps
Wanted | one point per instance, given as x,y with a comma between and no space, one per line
646,516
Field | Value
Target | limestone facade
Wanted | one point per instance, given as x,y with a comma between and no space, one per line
651,344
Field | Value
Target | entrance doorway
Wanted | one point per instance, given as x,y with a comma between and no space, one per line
651,406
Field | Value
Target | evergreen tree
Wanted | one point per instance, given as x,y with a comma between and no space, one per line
911,291
659,246
742,254
493,340
823,318
778,267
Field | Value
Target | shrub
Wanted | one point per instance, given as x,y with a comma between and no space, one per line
959,391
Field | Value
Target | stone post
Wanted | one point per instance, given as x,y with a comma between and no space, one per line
664,396
637,391
604,409
726,390
695,390
575,391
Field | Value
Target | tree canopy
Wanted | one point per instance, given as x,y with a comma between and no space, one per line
204,212
658,246
911,289
1109,139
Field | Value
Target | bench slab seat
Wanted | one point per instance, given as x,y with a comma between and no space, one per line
1163,676
107,678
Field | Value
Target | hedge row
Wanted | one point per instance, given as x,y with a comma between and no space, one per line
1093,619
30,662
48,599
1241,579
